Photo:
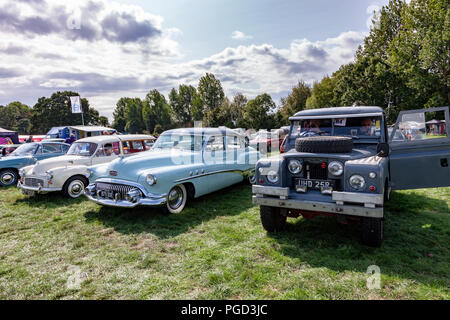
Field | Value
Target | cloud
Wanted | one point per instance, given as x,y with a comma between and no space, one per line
238,35
121,50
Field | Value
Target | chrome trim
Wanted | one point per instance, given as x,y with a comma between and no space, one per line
124,182
244,173
271,191
355,197
351,210
37,189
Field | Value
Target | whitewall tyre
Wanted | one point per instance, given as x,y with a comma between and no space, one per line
74,187
176,199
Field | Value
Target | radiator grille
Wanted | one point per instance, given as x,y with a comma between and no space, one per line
33,182
317,172
109,190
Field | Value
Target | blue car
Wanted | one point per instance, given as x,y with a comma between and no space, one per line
25,155
183,164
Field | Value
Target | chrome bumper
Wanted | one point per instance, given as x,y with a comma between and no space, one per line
147,200
37,189
363,205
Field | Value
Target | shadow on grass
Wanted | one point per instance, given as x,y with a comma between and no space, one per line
49,200
226,202
416,238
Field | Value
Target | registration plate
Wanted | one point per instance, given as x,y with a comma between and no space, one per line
315,184
28,192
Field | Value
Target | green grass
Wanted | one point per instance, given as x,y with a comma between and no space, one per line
217,249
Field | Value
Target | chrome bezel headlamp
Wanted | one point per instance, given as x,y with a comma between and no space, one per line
295,166
272,176
336,168
151,179
357,182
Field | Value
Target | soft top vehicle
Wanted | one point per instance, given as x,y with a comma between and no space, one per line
68,173
341,161
184,163
25,155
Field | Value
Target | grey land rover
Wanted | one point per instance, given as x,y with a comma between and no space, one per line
342,162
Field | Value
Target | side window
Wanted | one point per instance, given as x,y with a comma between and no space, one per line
51,148
234,142
126,147
64,148
421,125
148,144
108,149
116,148
215,143
138,145
100,152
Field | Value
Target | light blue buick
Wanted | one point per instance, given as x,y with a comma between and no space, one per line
183,164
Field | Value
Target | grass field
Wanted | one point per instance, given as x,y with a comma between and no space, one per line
56,248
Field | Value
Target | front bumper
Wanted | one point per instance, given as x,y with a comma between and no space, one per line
39,189
362,205
146,199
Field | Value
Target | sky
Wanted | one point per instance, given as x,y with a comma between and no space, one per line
124,48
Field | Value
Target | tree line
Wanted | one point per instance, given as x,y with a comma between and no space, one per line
403,64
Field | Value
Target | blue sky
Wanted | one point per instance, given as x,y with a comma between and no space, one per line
107,49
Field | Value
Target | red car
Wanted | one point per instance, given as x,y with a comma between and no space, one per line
263,141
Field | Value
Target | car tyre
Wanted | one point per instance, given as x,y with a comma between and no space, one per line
74,186
373,231
8,177
271,218
176,200
251,177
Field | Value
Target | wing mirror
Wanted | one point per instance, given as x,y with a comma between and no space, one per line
383,149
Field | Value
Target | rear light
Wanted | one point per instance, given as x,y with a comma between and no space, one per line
261,181
323,165
372,188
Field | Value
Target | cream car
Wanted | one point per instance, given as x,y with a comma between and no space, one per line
67,173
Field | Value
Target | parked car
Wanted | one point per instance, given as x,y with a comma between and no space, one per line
346,166
68,173
183,164
264,140
25,155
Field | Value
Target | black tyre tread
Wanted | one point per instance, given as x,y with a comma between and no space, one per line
271,219
373,231
322,144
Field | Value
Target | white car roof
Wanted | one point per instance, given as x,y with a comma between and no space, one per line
115,138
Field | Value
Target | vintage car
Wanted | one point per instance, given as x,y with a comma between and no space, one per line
25,155
68,173
264,141
183,164
342,162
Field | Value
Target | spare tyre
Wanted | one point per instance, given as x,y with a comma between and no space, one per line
321,144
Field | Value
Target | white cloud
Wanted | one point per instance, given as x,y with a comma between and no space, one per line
111,63
238,35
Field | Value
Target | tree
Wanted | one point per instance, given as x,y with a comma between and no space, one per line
295,101
15,116
210,91
155,111
181,103
158,130
103,121
237,110
322,94
197,108
220,116
119,119
133,114
259,112
56,111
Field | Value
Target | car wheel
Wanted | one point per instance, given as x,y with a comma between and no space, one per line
176,200
74,187
271,218
373,231
8,177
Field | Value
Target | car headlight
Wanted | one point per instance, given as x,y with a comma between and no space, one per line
49,175
151,180
336,168
272,176
89,173
294,166
357,181
22,172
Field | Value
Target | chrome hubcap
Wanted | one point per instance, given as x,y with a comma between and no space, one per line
175,198
252,177
75,188
7,178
